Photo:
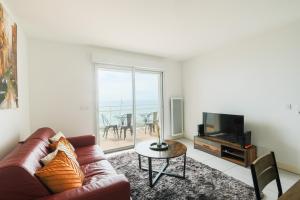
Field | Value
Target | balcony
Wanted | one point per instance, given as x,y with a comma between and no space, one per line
114,120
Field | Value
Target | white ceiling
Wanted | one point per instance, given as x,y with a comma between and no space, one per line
176,29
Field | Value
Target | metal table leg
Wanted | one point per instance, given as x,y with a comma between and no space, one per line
140,163
150,172
162,171
184,164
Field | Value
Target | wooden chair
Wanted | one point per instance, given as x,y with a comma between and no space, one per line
264,170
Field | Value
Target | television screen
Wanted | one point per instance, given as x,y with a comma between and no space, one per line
224,126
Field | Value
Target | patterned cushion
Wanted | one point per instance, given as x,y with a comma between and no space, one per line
61,174
65,142
56,137
63,148
49,157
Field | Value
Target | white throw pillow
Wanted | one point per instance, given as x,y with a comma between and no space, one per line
49,157
56,137
52,155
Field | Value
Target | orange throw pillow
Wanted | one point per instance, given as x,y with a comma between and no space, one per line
61,174
65,142
60,147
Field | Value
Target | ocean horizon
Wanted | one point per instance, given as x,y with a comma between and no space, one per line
113,110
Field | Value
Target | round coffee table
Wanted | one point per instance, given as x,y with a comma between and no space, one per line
175,149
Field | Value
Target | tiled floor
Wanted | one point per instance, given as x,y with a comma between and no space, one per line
241,173
112,141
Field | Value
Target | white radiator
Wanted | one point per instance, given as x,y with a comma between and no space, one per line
176,116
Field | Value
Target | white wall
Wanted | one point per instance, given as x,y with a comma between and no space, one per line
14,123
62,83
257,78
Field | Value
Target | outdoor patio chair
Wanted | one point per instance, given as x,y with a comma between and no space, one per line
152,122
146,117
108,125
126,126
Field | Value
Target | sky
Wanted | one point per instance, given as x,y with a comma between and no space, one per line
116,86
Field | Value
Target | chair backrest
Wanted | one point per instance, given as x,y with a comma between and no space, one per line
264,170
128,118
148,117
122,119
104,120
154,117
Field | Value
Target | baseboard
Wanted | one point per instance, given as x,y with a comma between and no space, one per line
174,137
289,168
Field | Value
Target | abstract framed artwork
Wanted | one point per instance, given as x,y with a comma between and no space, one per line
8,62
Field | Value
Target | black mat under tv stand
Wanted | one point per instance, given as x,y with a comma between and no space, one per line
227,150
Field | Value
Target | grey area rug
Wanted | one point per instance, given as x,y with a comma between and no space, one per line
201,182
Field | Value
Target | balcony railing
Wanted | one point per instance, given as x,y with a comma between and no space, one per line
114,113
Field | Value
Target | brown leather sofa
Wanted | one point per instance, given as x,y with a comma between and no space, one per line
17,179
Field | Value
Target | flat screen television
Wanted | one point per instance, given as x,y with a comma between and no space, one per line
224,126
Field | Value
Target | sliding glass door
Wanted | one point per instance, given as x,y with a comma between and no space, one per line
115,108
148,104
129,106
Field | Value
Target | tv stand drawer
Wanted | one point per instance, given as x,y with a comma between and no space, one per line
226,150
208,146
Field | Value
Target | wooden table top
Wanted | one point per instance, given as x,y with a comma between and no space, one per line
293,193
175,149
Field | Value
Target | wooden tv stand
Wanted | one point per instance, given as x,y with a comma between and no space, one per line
227,150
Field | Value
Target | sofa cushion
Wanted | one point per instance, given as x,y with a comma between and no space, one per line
60,147
96,171
64,144
61,174
56,137
82,141
89,154
47,159
114,187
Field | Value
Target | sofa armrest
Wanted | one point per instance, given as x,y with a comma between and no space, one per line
81,141
109,188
